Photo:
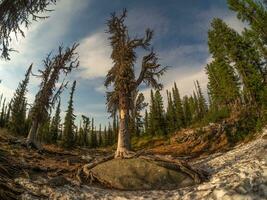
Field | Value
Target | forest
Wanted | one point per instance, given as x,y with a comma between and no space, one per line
152,144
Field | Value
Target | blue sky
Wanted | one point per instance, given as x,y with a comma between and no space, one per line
180,40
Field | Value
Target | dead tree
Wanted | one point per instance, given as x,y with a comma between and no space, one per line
122,75
15,14
64,62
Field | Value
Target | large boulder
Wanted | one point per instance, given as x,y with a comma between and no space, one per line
140,174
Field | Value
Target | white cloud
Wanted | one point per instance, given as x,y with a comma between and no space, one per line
41,37
94,53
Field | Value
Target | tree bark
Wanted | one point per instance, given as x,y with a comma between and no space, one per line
32,139
124,138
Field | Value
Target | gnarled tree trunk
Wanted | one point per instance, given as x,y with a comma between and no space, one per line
124,137
32,136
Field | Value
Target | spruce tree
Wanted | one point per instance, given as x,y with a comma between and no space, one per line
105,141
152,115
225,42
178,107
187,111
223,84
202,105
160,122
69,125
100,139
3,112
171,114
93,143
18,106
146,123
55,125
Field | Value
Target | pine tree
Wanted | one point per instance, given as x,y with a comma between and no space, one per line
223,85
225,42
69,125
202,105
152,115
146,123
18,106
3,112
15,14
93,135
187,111
55,125
160,124
100,139
255,14
105,142
171,114
64,62
178,108
122,76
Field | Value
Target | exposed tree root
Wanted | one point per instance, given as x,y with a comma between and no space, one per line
84,174
124,154
176,165
34,145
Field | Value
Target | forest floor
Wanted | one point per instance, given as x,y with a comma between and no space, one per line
238,172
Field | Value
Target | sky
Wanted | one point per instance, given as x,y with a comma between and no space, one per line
180,41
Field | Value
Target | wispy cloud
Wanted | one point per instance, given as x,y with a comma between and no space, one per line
95,54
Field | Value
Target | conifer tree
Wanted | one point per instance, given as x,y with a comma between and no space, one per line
105,141
178,108
202,105
84,131
93,135
138,104
55,125
100,139
159,115
223,84
122,76
18,106
69,123
152,115
3,112
255,14
64,62
15,14
187,111
146,123
225,42
171,114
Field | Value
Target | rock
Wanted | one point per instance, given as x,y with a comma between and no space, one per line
139,174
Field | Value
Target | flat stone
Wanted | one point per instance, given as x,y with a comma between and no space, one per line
140,174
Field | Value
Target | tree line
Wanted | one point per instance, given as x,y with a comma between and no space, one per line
237,83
